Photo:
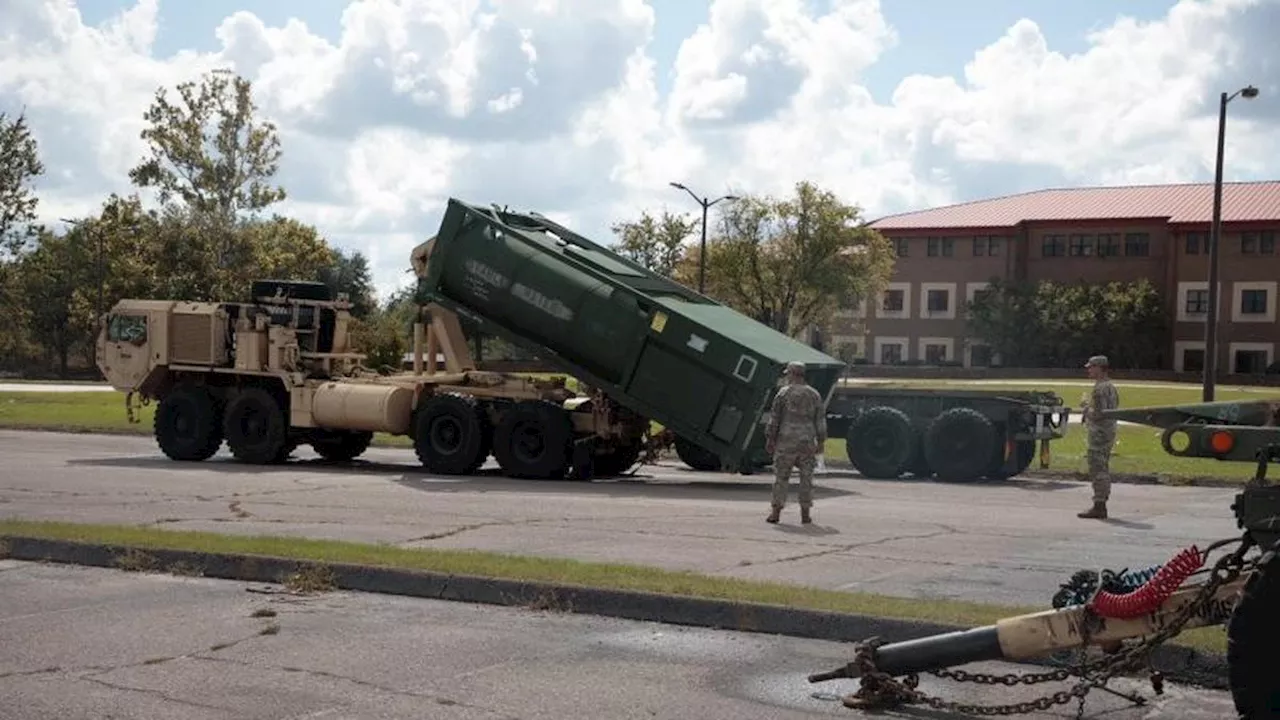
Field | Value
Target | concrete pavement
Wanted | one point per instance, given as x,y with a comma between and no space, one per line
1007,543
92,643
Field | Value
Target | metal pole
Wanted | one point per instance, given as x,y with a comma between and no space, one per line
101,277
1215,240
702,253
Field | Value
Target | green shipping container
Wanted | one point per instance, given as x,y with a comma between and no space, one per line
698,367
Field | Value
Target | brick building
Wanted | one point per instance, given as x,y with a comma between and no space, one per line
1157,232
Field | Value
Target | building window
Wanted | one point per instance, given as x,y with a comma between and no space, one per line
1255,243
1108,245
1081,246
900,245
935,354
1193,243
944,247
1197,301
1137,244
1252,302
893,300
890,354
938,300
1053,246
1193,360
980,355
986,245
1250,362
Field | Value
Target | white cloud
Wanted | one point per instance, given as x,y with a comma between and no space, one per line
553,105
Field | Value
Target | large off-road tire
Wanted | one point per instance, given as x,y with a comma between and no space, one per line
880,442
341,445
1253,633
452,434
1024,452
256,428
187,426
696,456
957,444
616,461
534,440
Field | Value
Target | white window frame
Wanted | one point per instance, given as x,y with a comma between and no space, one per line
1237,295
905,312
1268,348
1183,289
968,354
949,313
1179,350
949,343
880,342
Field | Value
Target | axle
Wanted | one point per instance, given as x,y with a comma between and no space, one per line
1038,634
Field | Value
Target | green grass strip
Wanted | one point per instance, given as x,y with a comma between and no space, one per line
608,576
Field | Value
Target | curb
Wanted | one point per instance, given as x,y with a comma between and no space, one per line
1176,663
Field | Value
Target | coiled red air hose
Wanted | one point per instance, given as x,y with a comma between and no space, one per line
1153,593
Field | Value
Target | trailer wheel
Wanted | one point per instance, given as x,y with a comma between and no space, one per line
958,444
187,426
1252,635
534,440
880,442
341,445
696,456
256,429
1024,452
452,434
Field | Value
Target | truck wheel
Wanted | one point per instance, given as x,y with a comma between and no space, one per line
697,457
341,445
451,435
616,461
1253,633
534,441
256,429
1024,452
187,426
880,442
958,444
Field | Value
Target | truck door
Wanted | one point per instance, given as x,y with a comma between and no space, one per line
126,349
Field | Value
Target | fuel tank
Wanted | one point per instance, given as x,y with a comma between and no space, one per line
354,406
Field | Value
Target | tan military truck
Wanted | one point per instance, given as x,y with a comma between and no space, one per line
279,371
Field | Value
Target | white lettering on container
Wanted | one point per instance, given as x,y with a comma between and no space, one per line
551,306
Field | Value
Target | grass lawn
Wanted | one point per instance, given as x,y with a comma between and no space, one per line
518,567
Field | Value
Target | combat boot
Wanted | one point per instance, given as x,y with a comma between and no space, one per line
1097,512
774,514
804,516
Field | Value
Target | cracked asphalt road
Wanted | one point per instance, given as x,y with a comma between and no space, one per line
1011,542
92,643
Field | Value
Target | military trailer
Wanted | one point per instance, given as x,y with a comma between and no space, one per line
278,370
950,434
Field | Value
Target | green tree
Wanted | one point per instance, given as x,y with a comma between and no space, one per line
654,243
55,277
19,166
209,149
792,263
349,273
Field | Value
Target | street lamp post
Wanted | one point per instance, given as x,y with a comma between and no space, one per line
1215,236
702,253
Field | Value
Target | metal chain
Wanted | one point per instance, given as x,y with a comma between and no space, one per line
879,689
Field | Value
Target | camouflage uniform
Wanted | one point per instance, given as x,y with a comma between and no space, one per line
796,431
1101,435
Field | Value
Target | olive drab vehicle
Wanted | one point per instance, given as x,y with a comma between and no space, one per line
1128,614
277,370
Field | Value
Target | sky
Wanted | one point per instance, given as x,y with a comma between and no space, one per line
586,110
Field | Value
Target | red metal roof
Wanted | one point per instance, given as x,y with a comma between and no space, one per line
1189,203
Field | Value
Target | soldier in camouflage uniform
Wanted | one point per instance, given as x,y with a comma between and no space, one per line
1101,434
796,433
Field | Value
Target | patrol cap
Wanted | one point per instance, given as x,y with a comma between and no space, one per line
1097,360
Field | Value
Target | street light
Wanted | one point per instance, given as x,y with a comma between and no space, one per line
1211,322
702,253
